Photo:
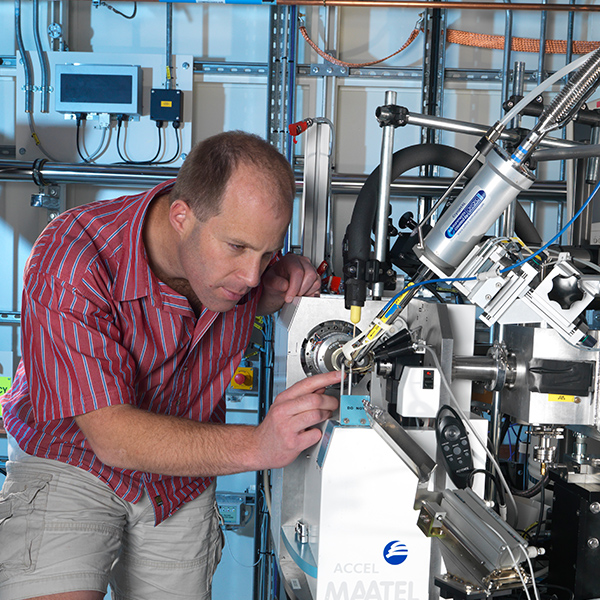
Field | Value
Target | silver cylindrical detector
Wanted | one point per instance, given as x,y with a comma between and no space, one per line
474,211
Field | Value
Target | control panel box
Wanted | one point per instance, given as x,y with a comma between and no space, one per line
87,88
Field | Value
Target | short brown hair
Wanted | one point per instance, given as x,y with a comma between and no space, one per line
202,179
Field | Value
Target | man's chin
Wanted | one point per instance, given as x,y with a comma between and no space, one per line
220,305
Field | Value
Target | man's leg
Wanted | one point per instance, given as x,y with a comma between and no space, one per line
175,559
61,531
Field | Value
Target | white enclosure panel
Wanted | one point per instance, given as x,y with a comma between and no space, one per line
7,110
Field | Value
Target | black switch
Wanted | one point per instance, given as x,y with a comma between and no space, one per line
427,380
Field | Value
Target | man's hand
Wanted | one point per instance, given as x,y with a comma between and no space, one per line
126,437
289,427
289,277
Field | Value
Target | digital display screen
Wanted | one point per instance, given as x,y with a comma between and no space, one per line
82,88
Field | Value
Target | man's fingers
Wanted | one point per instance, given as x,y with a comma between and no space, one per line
311,385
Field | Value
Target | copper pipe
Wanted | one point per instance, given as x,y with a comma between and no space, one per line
440,4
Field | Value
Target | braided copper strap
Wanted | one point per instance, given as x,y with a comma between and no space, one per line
482,40
411,38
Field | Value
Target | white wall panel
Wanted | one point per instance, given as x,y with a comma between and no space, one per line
225,104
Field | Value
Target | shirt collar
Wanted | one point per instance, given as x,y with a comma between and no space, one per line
133,277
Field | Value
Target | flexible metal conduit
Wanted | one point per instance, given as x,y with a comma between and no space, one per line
43,59
24,58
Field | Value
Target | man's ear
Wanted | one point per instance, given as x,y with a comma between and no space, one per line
181,216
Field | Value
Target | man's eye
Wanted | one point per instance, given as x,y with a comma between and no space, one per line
236,247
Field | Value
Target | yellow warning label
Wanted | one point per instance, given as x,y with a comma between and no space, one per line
166,103
560,398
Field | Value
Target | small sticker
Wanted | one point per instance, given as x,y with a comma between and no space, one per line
464,215
560,398
295,584
166,103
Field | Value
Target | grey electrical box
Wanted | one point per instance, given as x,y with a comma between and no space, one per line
113,89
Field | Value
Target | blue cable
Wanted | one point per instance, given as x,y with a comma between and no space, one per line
416,285
545,246
522,262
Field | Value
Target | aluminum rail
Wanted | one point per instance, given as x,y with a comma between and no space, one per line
474,129
56,173
439,4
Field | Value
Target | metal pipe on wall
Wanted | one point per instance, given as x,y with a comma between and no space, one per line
440,4
169,48
131,175
43,59
24,59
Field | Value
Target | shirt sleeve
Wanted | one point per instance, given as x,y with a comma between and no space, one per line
73,359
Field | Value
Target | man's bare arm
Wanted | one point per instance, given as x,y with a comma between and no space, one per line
130,438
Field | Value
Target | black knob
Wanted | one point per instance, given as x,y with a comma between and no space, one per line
565,291
407,221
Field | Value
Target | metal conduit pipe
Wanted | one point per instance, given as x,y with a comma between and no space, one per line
43,59
346,184
169,48
24,58
440,4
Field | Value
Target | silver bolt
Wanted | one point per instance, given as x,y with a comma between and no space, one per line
22,151
186,65
346,421
595,508
593,543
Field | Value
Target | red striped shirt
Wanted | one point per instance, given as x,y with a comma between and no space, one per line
99,329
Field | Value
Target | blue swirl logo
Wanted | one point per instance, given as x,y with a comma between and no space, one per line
395,553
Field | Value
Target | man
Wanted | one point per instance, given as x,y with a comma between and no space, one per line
136,312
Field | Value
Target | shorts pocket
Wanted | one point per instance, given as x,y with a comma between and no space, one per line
22,502
217,541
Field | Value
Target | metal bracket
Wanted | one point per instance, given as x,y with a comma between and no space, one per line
49,198
327,70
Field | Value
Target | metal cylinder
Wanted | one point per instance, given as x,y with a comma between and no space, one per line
474,368
474,211
383,199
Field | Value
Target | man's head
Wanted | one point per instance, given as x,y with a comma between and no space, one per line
229,210
204,176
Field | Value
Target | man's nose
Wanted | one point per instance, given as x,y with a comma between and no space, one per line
251,272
